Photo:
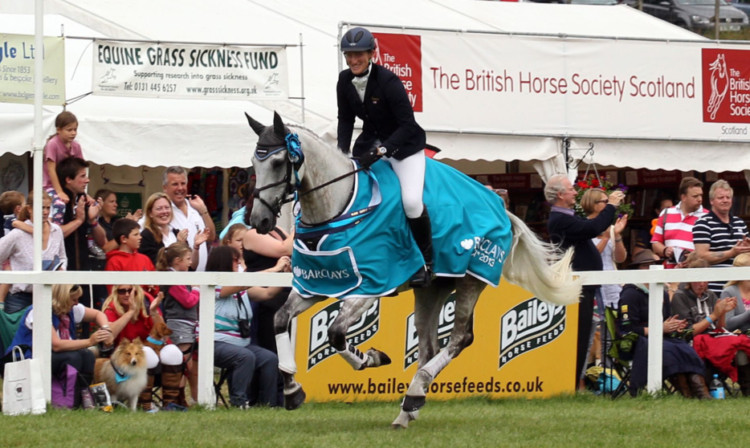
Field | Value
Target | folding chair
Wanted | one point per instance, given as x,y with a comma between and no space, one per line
219,384
615,354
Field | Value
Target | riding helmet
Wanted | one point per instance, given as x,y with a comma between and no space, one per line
357,39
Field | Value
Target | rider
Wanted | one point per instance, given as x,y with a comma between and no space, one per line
377,96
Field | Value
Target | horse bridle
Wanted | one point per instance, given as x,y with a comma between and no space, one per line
296,159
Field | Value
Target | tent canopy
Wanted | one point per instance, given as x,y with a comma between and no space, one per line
159,132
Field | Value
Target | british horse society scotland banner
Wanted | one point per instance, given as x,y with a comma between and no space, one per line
17,54
192,71
550,85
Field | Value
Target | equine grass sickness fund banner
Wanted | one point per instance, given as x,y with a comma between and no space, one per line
17,55
522,348
545,85
189,71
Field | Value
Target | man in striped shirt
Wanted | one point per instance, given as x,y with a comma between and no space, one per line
719,236
673,234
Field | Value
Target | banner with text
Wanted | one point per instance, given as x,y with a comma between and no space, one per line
17,53
523,347
163,70
540,85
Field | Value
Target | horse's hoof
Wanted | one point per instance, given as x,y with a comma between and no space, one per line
412,403
403,419
294,400
378,358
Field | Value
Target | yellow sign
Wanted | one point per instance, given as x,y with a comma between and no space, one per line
17,54
522,348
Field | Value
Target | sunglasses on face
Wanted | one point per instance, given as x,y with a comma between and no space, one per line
123,291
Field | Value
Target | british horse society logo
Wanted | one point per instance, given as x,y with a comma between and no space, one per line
402,54
363,330
527,326
726,88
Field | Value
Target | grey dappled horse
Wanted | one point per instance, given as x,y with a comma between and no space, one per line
321,174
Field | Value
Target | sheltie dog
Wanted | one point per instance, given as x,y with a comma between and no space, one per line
124,373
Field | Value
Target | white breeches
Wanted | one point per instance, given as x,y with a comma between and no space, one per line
410,173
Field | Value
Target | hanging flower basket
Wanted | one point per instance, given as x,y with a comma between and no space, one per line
592,181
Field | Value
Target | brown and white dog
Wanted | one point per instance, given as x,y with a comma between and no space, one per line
124,373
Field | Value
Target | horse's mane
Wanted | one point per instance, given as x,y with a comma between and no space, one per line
330,149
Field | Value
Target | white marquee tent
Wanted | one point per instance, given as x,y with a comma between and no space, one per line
159,132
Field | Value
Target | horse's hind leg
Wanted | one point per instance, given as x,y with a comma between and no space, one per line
468,290
294,396
349,313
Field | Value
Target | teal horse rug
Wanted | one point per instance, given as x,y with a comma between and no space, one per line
368,250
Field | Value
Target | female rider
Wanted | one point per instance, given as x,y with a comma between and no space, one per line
377,96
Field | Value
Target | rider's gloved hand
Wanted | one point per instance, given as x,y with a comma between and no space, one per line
371,156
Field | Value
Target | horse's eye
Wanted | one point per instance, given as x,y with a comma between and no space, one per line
277,163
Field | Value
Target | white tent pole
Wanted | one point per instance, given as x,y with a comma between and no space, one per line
42,314
302,74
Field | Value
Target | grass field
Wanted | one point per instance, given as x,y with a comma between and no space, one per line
572,421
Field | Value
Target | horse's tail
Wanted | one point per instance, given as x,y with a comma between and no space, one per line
540,267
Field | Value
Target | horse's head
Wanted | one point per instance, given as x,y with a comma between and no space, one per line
274,158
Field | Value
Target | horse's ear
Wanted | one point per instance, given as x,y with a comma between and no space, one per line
278,125
257,127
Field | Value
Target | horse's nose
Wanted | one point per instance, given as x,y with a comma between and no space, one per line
264,226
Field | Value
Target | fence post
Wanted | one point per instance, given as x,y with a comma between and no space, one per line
206,393
655,334
42,334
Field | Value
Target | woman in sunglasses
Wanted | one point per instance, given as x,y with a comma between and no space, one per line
612,251
134,314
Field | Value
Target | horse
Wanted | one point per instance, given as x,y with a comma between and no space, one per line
292,159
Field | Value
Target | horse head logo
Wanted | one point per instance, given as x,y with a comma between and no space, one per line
376,58
719,84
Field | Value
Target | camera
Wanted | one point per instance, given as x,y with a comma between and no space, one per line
244,325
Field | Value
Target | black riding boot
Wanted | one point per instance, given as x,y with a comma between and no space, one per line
421,229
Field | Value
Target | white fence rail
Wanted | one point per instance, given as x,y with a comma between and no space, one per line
43,280
655,277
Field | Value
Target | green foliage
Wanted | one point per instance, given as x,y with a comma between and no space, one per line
568,421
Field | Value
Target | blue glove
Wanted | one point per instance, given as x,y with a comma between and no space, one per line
371,156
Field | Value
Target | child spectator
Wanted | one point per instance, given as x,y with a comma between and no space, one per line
126,258
60,146
233,237
181,309
11,203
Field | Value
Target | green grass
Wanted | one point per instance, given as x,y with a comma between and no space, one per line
580,421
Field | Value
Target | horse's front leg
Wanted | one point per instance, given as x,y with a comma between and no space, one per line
349,313
427,305
294,396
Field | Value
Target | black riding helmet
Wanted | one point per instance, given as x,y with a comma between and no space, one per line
357,39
